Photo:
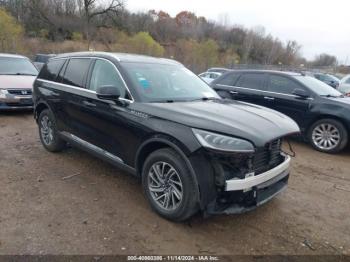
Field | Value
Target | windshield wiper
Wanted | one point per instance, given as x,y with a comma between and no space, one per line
332,96
18,74
166,101
205,99
25,74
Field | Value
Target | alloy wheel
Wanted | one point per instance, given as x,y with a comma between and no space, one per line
326,136
165,186
46,130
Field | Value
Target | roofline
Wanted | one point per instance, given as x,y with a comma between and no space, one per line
117,56
12,55
266,71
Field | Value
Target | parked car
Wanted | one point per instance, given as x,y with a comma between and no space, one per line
208,77
41,59
323,113
328,79
159,121
17,75
218,70
344,86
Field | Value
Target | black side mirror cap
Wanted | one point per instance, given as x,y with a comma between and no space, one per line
108,92
301,93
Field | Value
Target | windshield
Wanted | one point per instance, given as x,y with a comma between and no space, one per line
16,66
329,78
317,86
166,83
333,78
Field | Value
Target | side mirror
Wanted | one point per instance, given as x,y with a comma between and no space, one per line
300,93
108,92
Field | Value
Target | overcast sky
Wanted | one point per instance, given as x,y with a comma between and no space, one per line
319,26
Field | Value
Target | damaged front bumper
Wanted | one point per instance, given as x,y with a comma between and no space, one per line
242,195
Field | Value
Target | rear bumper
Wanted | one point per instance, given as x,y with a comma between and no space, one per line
243,195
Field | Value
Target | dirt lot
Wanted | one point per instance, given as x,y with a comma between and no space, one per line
101,210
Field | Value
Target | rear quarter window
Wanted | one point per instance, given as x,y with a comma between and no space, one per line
51,70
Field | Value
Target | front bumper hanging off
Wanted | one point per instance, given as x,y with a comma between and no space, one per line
242,195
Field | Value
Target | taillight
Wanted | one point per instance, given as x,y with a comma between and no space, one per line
348,94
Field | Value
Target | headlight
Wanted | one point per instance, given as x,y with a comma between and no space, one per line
221,142
3,92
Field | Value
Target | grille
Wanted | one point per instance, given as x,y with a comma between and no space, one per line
238,165
20,91
268,157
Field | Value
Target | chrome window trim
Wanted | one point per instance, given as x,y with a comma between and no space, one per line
78,90
101,58
264,91
94,56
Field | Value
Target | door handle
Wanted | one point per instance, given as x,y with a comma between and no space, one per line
269,98
87,103
234,92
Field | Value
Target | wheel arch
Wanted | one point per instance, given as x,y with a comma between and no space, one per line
327,116
155,143
41,106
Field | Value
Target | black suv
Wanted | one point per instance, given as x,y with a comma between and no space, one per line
159,121
323,113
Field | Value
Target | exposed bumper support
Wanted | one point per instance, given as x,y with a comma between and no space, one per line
249,182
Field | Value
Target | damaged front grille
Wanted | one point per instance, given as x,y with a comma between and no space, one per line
268,157
239,165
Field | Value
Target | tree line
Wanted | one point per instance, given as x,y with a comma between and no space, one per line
107,25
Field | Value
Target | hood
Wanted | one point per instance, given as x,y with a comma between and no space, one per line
254,123
16,82
344,88
345,101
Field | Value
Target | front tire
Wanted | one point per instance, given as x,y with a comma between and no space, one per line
328,136
169,185
48,132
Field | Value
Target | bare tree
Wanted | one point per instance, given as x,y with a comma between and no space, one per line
325,60
92,9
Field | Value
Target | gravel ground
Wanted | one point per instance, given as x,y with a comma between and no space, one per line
73,203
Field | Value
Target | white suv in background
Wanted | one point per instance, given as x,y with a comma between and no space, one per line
344,86
208,77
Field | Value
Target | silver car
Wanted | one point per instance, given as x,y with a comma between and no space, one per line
17,74
209,76
344,86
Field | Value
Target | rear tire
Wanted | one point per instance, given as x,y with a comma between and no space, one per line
48,132
328,136
169,185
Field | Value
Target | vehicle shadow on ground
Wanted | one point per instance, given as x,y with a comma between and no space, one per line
297,143
16,113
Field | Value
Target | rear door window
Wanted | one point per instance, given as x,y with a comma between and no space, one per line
76,71
252,81
51,70
281,84
229,79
